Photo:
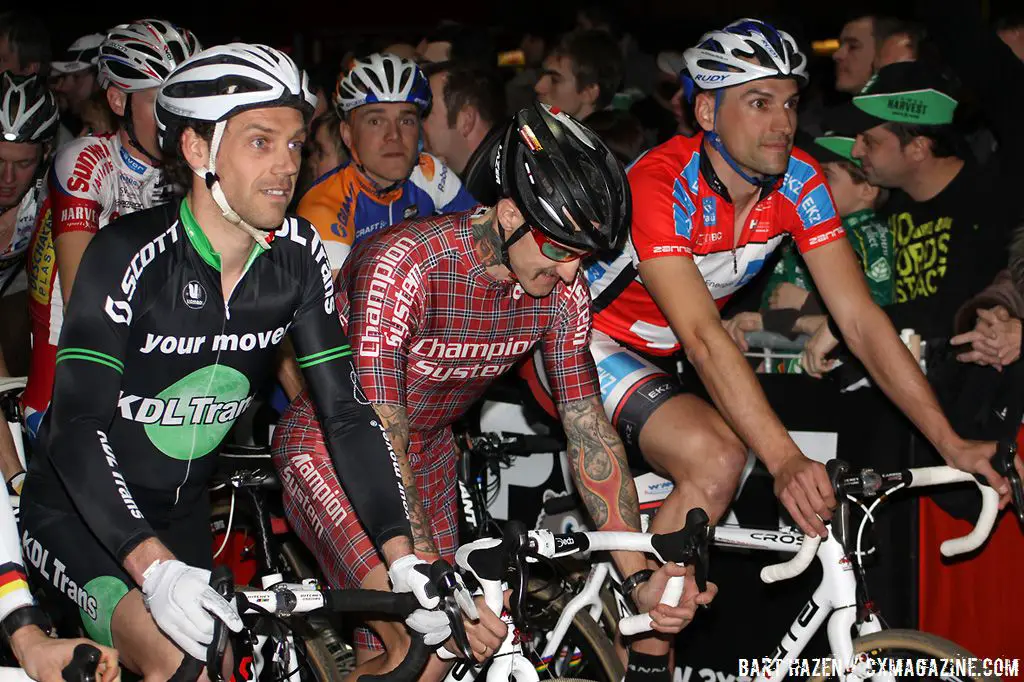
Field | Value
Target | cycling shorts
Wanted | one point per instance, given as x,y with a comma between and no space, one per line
79,577
322,517
633,387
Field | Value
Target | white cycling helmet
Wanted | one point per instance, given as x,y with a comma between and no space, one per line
28,111
140,55
219,83
743,51
382,77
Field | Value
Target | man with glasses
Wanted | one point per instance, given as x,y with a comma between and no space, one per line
438,309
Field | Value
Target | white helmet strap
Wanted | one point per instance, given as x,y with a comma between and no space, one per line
209,175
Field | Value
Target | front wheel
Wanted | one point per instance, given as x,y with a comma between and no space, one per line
920,655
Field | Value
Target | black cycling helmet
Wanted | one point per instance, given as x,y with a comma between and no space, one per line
565,180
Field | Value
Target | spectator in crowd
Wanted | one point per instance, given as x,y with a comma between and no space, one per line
949,214
405,51
663,114
856,54
1011,31
582,74
465,124
639,72
621,131
452,41
325,150
97,116
76,81
322,80
519,89
791,305
858,48
24,44
902,43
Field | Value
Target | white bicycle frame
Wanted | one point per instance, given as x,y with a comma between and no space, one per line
834,600
508,662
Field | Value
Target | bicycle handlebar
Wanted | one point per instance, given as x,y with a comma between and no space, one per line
488,559
293,599
869,483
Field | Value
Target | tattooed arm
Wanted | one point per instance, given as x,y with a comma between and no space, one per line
396,424
602,475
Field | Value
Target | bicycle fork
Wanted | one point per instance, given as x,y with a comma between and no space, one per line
835,599
589,597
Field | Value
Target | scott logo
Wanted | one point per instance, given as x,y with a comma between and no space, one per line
194,295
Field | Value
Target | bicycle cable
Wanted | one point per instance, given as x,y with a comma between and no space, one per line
227,531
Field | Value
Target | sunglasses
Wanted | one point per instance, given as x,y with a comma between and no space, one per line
554,251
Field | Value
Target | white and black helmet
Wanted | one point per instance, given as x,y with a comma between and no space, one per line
743,51
28,110
222,82
140,55
225,80
382,77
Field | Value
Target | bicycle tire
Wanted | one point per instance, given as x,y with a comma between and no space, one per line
593,635
910,642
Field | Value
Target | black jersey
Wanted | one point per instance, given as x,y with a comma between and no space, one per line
154,366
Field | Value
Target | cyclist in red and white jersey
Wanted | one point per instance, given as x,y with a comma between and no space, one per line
438,308
29,119
96,178
707,212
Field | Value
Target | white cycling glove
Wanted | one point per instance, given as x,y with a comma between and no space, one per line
433,625
409,574
184,605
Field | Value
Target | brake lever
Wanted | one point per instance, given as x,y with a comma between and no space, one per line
700,546
1002,462
516,547
221,580
447,582
442,575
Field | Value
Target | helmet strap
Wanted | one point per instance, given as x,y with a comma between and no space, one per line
129,128
716,142
209,176
507,243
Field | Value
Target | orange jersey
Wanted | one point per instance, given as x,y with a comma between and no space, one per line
345,207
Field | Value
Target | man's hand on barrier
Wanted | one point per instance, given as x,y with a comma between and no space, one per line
994,341
813,357
803,487
788,295
739,325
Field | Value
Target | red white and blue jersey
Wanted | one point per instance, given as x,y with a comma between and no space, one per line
681,208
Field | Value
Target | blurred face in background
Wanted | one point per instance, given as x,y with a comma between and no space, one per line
856,54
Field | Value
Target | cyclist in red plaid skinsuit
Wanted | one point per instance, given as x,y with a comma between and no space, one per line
438,308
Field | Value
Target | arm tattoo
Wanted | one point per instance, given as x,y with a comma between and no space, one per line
486,241
599,466
396,424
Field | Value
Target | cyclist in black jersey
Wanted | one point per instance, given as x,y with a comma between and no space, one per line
173,326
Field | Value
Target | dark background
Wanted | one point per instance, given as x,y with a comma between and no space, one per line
658,24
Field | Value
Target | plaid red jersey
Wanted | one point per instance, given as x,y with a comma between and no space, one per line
430,328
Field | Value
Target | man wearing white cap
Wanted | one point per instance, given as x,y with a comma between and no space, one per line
75,77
